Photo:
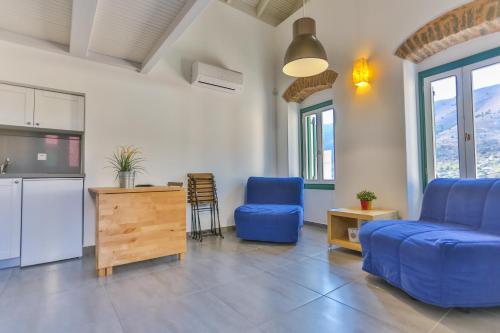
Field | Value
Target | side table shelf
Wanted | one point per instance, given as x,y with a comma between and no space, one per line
340,219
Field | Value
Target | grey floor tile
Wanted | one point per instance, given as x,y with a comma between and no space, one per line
86,307
179,281
302,248
388,304
4,278
346,259
326,315
45,281
316,275
132,295
266,259
261,297
200,312
477,320
223,285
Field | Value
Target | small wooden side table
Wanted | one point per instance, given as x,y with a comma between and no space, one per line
340,219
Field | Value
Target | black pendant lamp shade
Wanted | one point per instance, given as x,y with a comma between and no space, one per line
305,56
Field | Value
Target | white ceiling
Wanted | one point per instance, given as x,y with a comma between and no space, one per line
129,29
270,11
45,19
129,33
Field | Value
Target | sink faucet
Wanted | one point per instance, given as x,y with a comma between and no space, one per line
4,166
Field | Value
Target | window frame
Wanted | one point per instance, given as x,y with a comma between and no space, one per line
464,68
317,109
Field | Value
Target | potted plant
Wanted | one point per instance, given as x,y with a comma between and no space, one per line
366,198
126,162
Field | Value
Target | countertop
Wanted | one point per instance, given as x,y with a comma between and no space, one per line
118,190
42,175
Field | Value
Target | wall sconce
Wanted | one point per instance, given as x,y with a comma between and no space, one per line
361,73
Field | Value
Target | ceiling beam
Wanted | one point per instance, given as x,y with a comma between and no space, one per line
43,45
261,7
82,21
188,14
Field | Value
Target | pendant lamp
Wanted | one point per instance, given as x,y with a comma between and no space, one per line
305,56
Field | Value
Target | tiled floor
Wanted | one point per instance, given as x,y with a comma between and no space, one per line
224,286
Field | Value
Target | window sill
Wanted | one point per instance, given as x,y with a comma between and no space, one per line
313,186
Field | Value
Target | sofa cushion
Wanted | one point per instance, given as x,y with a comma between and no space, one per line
278,223
466,200
491,212
452,268
381,241
435,199
285,191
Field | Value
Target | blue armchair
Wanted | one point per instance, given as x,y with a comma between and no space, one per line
273,212
450,256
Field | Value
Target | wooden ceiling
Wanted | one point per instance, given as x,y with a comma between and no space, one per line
270,11
126,33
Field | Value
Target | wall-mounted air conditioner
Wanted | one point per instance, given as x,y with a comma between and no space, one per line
216,78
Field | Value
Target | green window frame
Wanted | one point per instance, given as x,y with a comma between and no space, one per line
421,99
306,124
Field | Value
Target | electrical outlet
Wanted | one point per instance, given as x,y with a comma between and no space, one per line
42,156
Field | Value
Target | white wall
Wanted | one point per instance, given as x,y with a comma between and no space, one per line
370,129
180,128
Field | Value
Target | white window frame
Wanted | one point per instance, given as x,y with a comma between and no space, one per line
465,103
319,130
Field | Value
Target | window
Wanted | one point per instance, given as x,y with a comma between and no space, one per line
318,153
461,117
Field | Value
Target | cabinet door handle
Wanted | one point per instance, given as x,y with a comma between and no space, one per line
16,181
37,124
28,123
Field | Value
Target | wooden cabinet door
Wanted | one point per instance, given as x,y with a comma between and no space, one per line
59,111
10,218
16,105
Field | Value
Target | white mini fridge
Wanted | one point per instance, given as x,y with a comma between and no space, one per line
52,220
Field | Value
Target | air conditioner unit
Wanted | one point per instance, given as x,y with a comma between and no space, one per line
216,78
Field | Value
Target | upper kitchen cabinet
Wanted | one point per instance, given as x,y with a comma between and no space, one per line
59,111
16,105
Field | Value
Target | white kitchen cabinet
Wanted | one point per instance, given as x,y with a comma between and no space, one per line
59,111
52,220
16,105
10,218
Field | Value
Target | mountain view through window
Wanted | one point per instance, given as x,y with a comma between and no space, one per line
486,115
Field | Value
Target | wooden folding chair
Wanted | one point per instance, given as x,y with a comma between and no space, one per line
202,195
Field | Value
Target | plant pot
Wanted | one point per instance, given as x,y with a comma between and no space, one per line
366,205
127,179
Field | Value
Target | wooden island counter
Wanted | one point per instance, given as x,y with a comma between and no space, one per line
138,224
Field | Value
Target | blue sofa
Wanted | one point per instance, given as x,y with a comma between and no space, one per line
273,212
450,257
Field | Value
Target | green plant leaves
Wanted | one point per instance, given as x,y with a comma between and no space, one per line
366,195
127,159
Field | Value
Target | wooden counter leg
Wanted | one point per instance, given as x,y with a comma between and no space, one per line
101,272
182,256
109,271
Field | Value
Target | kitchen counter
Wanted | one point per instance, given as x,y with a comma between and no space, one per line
42,175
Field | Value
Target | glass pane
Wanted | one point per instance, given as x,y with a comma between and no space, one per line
310,148
486,104
328,145
445,112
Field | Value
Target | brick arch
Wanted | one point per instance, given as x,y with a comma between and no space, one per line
474,19
304,87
